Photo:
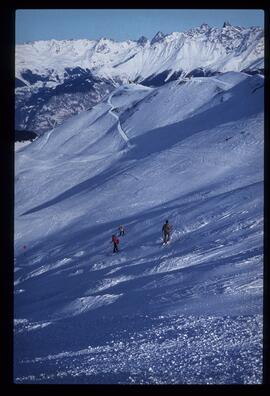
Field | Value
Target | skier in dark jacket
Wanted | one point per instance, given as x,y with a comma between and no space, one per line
115,242
121,230
166,231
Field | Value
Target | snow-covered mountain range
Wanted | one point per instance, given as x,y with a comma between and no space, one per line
57,79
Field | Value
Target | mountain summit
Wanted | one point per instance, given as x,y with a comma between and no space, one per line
204,27
159,36
226,24
142,40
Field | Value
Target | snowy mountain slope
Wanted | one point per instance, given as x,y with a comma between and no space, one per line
189,312
57,79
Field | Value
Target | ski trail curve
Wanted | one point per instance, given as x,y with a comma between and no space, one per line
119,128
47,137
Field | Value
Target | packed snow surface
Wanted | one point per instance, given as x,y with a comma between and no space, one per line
189,312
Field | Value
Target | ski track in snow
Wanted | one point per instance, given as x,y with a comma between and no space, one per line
119,128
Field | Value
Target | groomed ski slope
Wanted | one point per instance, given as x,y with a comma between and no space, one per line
186,313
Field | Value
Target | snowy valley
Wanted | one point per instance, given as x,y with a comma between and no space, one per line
189,150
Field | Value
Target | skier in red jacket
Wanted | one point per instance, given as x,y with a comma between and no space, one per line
115,242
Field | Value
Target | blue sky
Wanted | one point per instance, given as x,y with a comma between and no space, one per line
122,24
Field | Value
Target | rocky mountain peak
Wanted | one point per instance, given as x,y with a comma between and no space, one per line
159,36
226,24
